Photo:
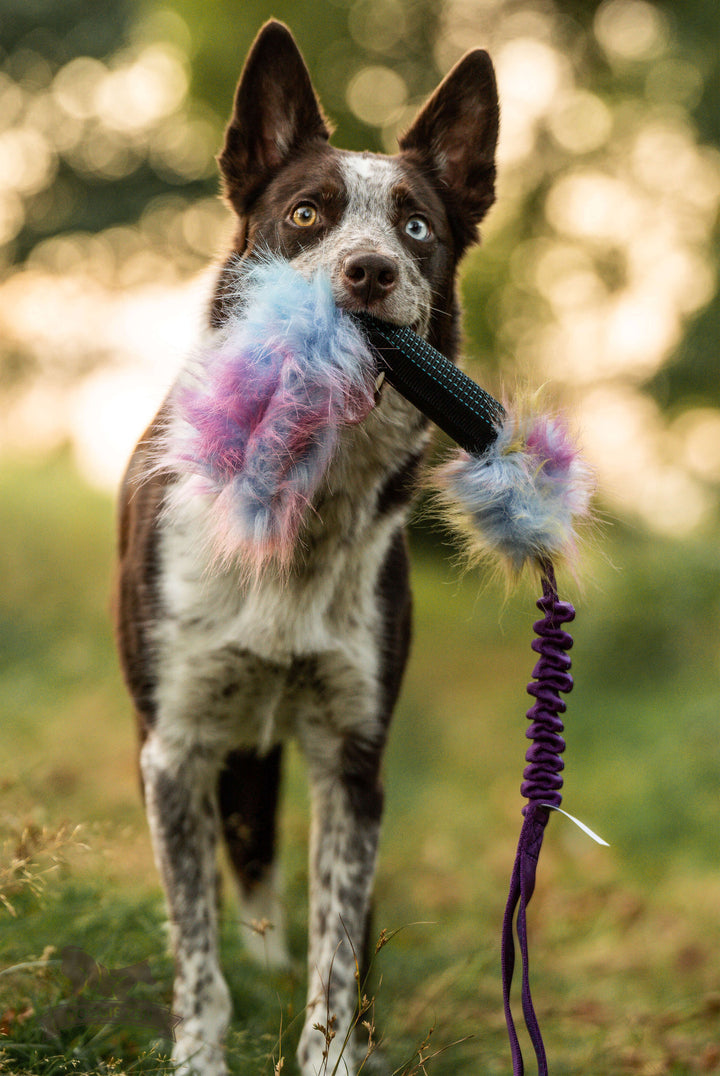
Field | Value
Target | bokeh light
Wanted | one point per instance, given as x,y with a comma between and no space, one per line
631,30
377,95
600,296
608,201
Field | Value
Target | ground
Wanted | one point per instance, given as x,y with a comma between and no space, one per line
624,940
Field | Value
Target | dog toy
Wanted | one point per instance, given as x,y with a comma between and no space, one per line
257,414
519,483
256,419
515,489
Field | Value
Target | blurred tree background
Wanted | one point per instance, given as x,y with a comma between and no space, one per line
597,276
599,265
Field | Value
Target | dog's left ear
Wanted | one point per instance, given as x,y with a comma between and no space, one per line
454,138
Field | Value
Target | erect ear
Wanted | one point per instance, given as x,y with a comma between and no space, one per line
276,113
454,138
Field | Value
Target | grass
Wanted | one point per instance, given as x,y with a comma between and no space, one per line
623,940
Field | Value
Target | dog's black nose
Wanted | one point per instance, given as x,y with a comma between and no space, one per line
369,276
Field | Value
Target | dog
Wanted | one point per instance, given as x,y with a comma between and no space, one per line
224,666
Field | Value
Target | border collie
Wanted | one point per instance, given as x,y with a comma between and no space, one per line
225,664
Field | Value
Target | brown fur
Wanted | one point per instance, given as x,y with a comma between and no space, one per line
217,685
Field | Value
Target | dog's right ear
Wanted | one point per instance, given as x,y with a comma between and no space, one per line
276,113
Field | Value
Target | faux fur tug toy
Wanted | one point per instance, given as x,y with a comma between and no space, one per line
518,484
257,416
255,422
520,499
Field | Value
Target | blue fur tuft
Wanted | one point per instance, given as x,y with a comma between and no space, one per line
521,498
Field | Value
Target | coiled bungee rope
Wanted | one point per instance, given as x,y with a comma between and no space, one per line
541,787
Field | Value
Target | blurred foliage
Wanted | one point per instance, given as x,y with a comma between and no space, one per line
72,172
599,266
338,39
113,182
692,374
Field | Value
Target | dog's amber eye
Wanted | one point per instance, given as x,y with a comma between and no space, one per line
418,228
304,215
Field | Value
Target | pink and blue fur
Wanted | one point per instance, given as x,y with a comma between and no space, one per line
257,417
520,499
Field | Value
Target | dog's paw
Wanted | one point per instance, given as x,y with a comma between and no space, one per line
205,1015
191,1059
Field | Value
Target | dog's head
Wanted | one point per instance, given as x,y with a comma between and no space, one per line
389,231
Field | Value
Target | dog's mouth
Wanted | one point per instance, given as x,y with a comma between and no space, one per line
369,312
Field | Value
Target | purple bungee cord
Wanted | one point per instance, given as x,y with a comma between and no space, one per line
541,787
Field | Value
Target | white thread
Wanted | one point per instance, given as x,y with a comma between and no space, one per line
582,826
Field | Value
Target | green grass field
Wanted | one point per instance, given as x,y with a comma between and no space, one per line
624,941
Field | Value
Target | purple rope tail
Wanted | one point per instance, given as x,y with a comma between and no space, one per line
541,787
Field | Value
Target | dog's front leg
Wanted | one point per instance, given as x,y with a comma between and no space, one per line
182,813
346,811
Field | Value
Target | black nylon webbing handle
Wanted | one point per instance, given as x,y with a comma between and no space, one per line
422,374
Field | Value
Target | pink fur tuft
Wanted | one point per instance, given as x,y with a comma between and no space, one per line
257,418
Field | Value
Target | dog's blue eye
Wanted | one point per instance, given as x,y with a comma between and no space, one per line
418,228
